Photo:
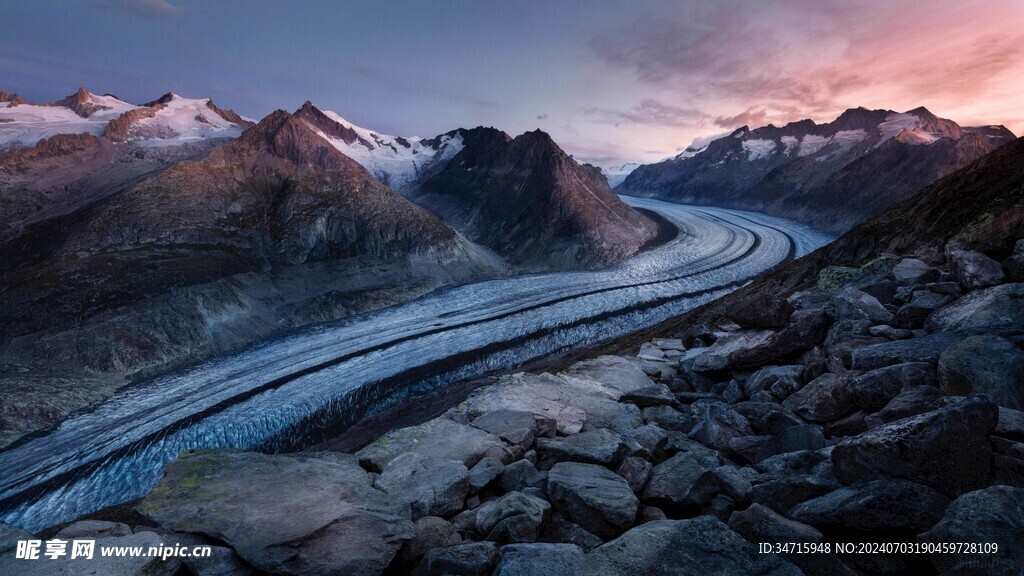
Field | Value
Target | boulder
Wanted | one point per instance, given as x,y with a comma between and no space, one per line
683,482
697,546
594,497
648,437
668,418
484,473
717,424
767,417
653,395
1010,424
770,377
783,491
801,462
852,304
99,564
439,438
513,510
793,439
990,515
534,559
947,449
989,365
914,271
599,446
1014,265
561,531
996,310
883,290
513,426
761,309
636,471
875,506
737,349
973,270
890,333
346,526
915,400
874,389
676,442
821,400
922,303
467,559
516,475
924,349
93,529
762,524
430,486
428,532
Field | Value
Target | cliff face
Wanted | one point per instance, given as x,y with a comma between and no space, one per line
528,200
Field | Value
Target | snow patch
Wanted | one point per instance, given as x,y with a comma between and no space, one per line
27,124
758,149
182,120
618,174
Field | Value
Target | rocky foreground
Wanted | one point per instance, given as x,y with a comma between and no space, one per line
884,406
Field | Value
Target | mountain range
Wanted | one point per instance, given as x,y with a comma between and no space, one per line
831,175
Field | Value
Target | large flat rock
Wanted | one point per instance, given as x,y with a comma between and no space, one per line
438,438
309,514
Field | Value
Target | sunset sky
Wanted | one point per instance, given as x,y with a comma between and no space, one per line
611,81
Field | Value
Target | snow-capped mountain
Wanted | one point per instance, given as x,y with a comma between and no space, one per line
24,124
831,175
617,174
171,120
397,161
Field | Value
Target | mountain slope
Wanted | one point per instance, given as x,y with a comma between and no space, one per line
280,195
531,202
396,161
829,175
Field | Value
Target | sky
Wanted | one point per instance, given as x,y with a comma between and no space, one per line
611,81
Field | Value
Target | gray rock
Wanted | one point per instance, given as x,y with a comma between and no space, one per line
1014,265
99,564
513,426
597,499
561,531
781,492
467,559
534,559
883,290
801,462
439,438
914,271
221,562
650,352
717,424
991,515
650,514
484,473
852,304
844,330
697,546
821,400
600,446
1010,424
748,348
910,402
669,418
346,526
720,506
947,449
516,475
924,349
874,389
431,486
528,510
768,377
878,505
93,528
669,344
973,270
762,524
636,471
922,303
681,483
792,439
9,536
648,436
989,365
996,310
653,395
890,333
429,532
735,482
767,417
